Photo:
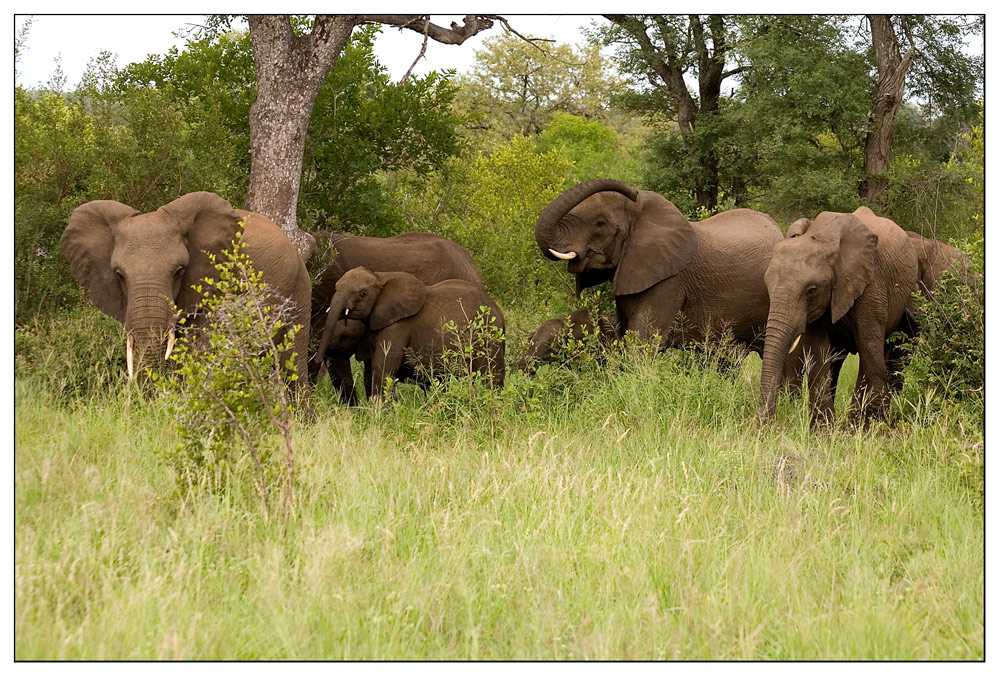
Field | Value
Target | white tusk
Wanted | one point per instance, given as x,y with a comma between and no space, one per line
129,344
171,337
560,255
346,311
795,344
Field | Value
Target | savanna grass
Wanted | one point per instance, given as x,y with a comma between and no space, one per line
630,509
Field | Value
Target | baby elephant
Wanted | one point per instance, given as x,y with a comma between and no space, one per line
405,326
548,339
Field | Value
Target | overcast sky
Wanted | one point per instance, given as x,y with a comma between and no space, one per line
75,40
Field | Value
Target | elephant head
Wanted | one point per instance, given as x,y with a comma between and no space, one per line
608,230
815,275
377,299
551,335
135,266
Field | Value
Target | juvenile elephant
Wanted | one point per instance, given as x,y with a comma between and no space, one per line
404,322
660,265
545,343
134,266
840,284
429,257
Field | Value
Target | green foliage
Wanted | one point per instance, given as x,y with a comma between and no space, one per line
948,355
76,356
515,88
595,149
491,210
232,385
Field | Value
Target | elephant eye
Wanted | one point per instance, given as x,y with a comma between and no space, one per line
180,271
361,294
811,290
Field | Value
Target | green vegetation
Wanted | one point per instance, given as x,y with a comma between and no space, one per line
626,506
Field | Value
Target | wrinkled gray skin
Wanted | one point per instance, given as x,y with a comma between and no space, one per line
660,265
135,265
404,320
429,257
837,285
934,258
545,343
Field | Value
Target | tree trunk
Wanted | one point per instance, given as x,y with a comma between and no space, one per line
892,68
290,71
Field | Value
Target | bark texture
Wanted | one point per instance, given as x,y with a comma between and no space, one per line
290,70
892,66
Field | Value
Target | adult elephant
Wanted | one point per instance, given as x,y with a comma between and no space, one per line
660,265
934,258
839,284
136,267
429,257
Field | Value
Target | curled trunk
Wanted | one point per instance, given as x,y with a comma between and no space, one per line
570,198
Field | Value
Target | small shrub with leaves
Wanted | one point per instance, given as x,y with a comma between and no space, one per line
231,392
948,354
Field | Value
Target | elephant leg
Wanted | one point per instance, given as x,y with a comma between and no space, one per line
386,362
339,367
818,361
871,394
653,313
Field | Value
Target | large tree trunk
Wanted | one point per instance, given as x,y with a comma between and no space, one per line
290,71
892,68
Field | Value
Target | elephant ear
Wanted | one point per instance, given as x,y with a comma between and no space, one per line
581,324
660,245
402,295
87,244
855,264
798,228
209,223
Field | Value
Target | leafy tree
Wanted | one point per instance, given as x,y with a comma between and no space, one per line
594,149
515,87
362,123
663,50
941,72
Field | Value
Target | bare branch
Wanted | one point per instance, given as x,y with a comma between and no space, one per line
423,51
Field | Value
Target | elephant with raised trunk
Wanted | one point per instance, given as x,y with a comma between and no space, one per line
135,266
405,323
838,284
429,257
662,266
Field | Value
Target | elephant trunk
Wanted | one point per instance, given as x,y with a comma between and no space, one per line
150,325
561,205
784,330
337,305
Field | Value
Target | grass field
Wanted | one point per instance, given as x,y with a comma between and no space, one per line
632,511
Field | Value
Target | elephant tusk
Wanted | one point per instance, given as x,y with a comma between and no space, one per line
560,255
795,344
171,337
347,312
129,345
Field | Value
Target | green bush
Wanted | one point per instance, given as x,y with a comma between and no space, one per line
231,387
948,355
78,355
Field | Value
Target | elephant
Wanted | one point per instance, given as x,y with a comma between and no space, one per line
405,335
134,266
934,258
838,284
545,343
662,266
431,258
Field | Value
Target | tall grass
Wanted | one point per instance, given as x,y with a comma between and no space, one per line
632,510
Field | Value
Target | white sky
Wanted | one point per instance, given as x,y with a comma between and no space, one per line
76,39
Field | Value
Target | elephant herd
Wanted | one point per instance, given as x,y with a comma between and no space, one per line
837,284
